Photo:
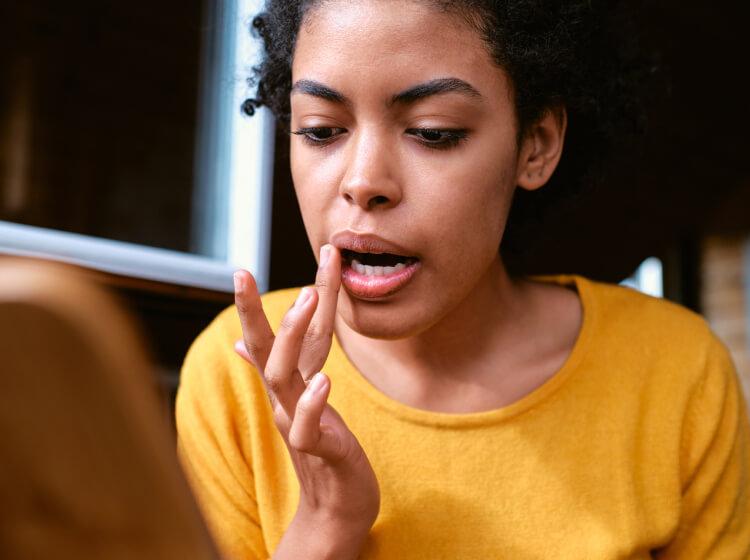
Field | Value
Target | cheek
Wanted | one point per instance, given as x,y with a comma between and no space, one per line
469,207
315,186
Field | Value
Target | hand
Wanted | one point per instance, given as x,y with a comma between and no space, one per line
339,493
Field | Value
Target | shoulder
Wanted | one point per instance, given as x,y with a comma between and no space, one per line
653,321
656,361
654,334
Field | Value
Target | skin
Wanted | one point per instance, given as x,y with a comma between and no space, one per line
462,336
455,338
339,493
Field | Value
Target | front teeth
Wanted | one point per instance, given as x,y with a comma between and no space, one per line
368,270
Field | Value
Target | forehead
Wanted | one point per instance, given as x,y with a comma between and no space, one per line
387,45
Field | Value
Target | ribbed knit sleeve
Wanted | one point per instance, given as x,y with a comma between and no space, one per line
715,513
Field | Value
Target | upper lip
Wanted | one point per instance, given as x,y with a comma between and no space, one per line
367,243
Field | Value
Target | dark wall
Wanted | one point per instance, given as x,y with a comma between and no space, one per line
109,90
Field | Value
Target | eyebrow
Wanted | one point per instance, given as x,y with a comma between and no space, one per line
435,87
408,96
316,89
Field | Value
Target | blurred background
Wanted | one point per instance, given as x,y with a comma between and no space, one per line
123,150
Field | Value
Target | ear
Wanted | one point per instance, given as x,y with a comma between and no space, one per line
541,148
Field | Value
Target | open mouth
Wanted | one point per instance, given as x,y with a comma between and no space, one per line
376,275
376,264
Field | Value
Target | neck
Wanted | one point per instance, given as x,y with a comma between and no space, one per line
486,320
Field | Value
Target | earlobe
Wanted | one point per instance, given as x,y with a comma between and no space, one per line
541,149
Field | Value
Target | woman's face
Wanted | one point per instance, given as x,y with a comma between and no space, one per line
404,129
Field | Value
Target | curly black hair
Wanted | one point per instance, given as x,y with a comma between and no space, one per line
580,54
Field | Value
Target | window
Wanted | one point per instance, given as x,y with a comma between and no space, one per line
122,145
648,278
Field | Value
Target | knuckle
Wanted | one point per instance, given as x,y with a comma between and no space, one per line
315,345
312,334
254,350
241,305
342,452
316,333
301,441
322,283
275,382
288,323
247,307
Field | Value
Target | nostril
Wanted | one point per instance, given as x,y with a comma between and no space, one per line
378,200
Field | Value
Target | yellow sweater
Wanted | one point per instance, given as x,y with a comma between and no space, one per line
636,448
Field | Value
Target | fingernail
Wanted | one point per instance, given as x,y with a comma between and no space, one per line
302,298
317,382
325,253
238,283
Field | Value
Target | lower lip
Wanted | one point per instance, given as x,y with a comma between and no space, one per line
372,287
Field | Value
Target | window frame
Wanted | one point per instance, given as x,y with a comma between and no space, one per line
116,257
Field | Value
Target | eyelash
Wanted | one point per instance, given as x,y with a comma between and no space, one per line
306,134
451,137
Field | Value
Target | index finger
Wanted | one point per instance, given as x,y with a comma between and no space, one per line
320,333
256,332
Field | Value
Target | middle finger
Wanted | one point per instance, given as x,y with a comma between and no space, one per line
282,374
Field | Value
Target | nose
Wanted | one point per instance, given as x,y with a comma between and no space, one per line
369,181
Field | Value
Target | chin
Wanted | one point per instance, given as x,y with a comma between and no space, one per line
385,320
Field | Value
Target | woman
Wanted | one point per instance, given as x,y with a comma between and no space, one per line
464,412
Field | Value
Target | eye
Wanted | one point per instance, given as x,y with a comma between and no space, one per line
439,138
319,135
